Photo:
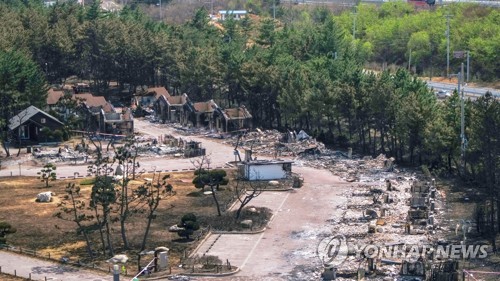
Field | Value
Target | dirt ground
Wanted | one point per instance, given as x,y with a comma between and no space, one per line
37,228
462,202
5,277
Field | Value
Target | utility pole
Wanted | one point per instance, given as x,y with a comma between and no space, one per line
274,9
463,140
161,13
354,24
409,62
447,45
468,66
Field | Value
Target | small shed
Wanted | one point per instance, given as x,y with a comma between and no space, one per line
265,169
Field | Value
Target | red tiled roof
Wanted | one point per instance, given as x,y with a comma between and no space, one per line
53,96
90,100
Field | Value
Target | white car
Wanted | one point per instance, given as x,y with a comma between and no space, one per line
442,94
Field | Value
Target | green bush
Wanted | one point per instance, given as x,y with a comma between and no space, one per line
190,225
5,228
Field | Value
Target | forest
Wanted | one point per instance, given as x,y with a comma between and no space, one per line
306,69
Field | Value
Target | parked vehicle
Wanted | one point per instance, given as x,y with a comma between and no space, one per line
442,94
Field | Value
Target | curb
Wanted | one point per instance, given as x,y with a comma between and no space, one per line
195,274
240,232
214,274
278,189
210,232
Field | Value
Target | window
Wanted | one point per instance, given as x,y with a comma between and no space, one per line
42,120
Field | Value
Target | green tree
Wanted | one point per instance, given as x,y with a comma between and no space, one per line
73,208
204,176
151,193
21,84
102,197
47,173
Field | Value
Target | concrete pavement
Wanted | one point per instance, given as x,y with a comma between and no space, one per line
287,249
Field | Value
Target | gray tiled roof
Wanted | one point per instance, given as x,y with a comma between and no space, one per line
26,114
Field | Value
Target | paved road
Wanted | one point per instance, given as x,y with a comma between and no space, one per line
287,249
41,269
468,90
219,155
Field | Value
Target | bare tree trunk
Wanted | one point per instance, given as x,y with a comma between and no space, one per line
146,232
108,233
215,200
124,211
6,148
101,233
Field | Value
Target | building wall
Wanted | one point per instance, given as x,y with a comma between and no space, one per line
265,172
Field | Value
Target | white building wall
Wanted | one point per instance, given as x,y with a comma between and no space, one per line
265,172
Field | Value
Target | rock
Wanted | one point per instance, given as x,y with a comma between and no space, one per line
45,197
175,228
274,183
246,223
118,259
252,210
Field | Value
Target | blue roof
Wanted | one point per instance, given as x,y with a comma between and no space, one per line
235,12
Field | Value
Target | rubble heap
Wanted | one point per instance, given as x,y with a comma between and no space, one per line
274,143
398,212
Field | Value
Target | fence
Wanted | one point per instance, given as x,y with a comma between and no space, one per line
49,257
15,274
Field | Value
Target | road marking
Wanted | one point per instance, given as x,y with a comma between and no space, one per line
262,235
251,251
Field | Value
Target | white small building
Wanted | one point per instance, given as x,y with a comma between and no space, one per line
236,14
265,169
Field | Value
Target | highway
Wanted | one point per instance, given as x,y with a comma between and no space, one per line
470,91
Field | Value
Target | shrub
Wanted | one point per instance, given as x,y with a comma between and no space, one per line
5,228
189,224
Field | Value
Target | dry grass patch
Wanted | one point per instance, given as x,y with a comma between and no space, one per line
37,228
5,277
